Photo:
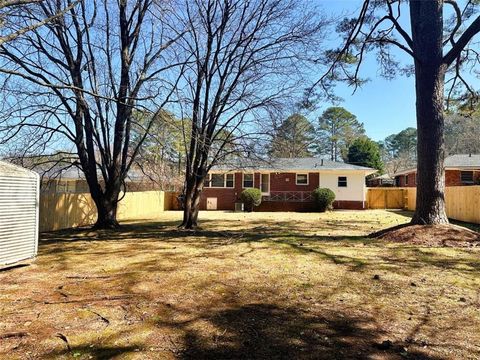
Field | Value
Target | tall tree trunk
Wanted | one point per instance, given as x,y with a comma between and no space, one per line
427,31
106,212
191,208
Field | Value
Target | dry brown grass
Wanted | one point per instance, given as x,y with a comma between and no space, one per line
247,286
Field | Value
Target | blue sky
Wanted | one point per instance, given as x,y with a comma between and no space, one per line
385,107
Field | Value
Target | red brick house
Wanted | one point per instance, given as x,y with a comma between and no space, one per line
460,170
286,184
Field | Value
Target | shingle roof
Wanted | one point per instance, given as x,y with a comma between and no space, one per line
65,171
457,161
290,164
463,160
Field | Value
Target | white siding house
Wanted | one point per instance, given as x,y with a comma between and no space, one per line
354,189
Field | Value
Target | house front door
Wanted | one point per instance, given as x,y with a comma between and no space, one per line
212,203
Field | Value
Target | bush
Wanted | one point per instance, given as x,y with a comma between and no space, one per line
324,198
251,198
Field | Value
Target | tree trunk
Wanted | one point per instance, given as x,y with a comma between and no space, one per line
107,212
427,29
191,208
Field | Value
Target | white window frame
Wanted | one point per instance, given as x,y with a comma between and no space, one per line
210,181
206,183
261,183
243,181
296,179
346,181
225,183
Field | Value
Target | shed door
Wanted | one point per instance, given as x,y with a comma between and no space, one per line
212,203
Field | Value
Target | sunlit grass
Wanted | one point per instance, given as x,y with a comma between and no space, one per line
257,285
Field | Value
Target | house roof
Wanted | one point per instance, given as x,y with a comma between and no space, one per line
382,177
463,161
291,164
8,169
67,171
457,161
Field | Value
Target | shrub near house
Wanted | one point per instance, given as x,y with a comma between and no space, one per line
251,198
324,198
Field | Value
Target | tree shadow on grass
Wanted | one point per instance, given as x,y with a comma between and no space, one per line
162,230
259,331
96,352
269,331
161,236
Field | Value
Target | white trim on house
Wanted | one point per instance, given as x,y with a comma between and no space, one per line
243,180
302,184
261,183
209,179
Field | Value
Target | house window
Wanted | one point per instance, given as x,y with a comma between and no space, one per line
466,177
217,180
342,181
265,183
302,179
406,180
229,182
398,181
248,180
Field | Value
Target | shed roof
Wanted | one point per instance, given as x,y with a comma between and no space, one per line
9,169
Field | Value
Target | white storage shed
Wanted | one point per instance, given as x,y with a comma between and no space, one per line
19,197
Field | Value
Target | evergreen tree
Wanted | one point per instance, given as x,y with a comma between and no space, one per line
365,152
338,128
293,138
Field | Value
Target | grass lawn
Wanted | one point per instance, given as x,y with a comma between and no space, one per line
248,286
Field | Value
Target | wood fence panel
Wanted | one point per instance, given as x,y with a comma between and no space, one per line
462,202
171,202
386,198
395,199
376,199
411,198
63,211
141,205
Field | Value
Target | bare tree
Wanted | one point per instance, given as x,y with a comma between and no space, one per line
462,133
15,19
246,56
438,48
74,83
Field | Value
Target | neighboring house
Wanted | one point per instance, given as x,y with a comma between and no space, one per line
381,180
60,179
460,170
286,184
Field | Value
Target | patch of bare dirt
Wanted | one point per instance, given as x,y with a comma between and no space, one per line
431,235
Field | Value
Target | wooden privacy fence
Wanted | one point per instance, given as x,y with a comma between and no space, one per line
462,202
62,211
386,198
